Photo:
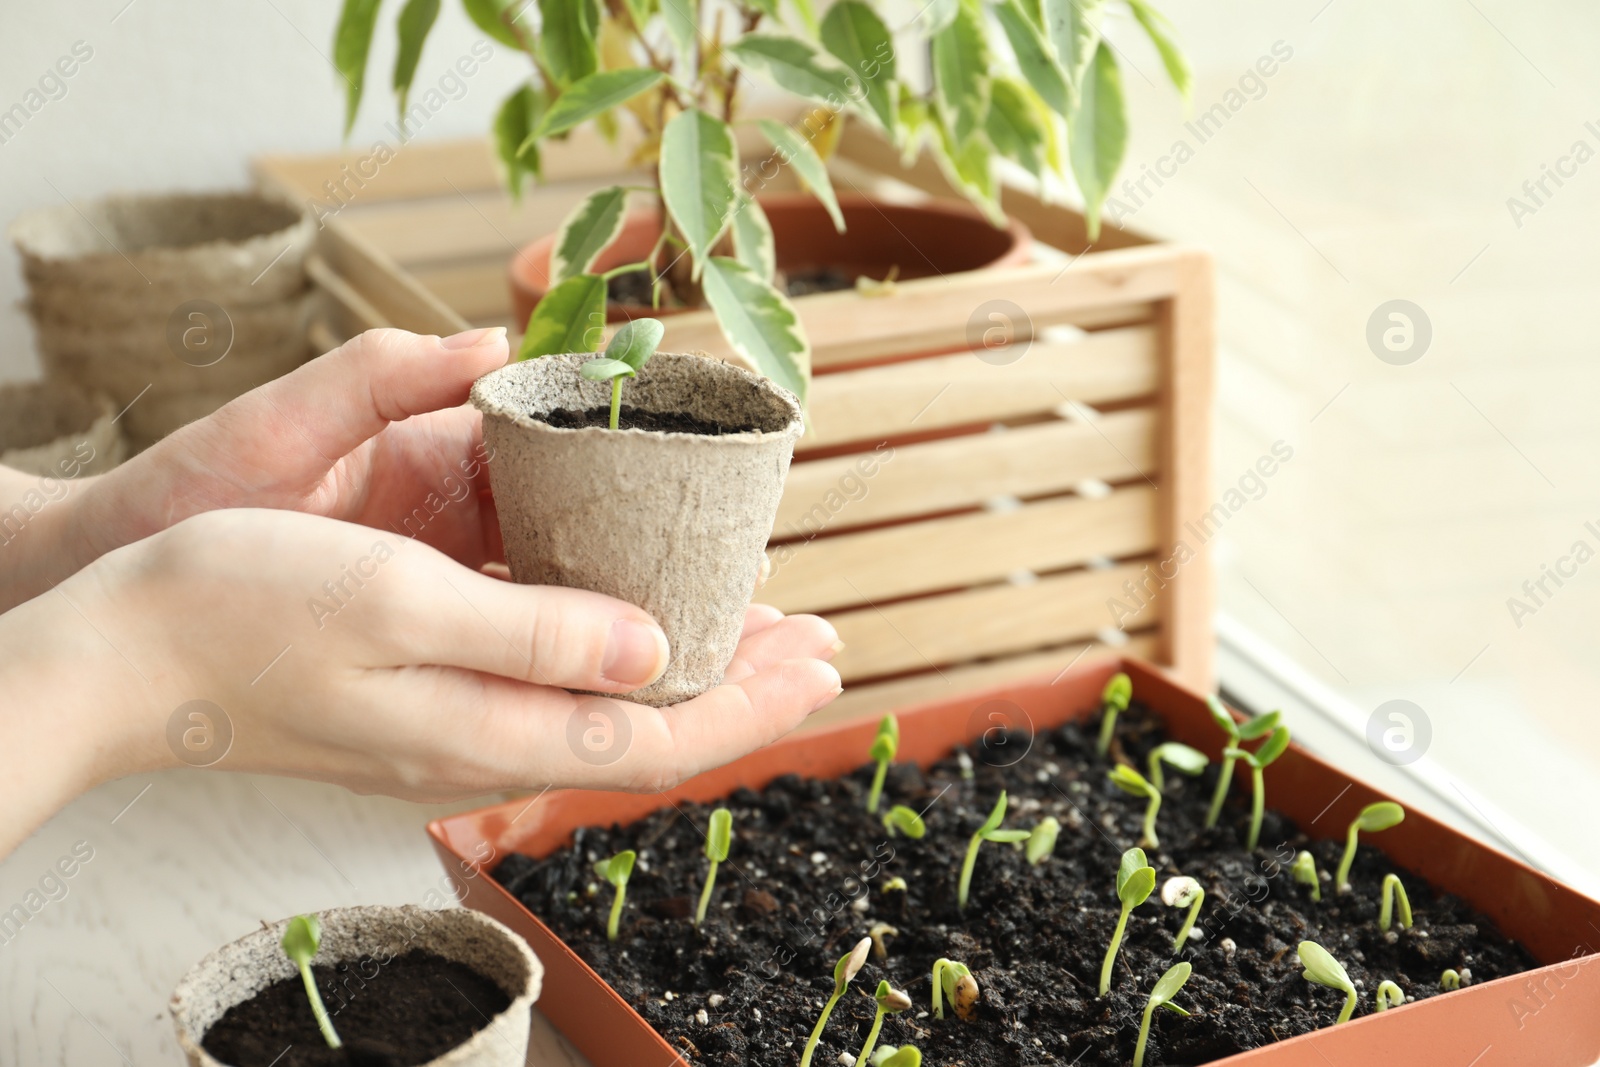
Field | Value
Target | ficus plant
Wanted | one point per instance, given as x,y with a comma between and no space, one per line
629,350
719,838
1393,890
891,1001
989,831
1304,872
1237,732
616,870
884,746
1258,762
904,820
1042,840
1183,892
1322,969
1372,818
1136,880
1389,995
301,939
844,972
1114,700
1030,82
1161,995
953,981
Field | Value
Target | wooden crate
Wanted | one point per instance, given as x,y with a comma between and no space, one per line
961,522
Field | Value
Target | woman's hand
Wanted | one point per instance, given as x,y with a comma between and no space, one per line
368,659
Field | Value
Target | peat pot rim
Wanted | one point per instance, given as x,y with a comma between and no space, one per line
494,395
239,966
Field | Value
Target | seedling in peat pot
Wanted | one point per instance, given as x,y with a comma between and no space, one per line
989,831
1113,702
904,820
300,942
1389,995
891,1001
1373,817
1042,841
844,971
630,349
719,836
1248,730
1322,969
616,870
1166,988
884,746
1131,781
904,1056
1183,892
1392,889
1136,880
953,981
1258,761
1304,871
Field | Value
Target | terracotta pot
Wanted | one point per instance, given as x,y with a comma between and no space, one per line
936,237
234,973
1559,926
54,430
676,523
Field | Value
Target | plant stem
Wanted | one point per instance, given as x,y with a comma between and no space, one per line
1108,726
1111,953
966,870
816,1034
1150,838
938,988
1341,881
616,915
616,400
1188,923
1223,781
705,894
325,1024
876,792
1258,806
1349,1006
1144,1033
872,1038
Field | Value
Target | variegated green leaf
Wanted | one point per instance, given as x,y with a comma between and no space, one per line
587,231
513,136
759,322
752,239
798,153
1162,35
416,19
1098,134
494,18
793,65
961,73
807,11
568,35
1073,29
570,318
857,37
594,95
1014,127
699,175
934,15
352,40
1034,59
968,168
683,29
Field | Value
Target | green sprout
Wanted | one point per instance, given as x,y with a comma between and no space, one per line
1131,781
905,820
1323,969
1450,980
1136,880
847,968
300,942
1258,762
1304,871
989,831
1389,995
1237,732
891,1001
896,884
630,348
953,981
616,870
904,1056
1373,817
719,835
884,746
1180,757
1183,892
1113,701
879,935
1042,841
1392,889
1166,988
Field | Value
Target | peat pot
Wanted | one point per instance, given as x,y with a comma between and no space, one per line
55,430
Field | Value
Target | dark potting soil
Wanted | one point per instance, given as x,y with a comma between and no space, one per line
637,419
805,880
408,1011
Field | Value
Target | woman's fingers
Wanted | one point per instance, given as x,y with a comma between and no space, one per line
758,617
795,637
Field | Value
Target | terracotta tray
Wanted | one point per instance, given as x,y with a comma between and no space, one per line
1549,1017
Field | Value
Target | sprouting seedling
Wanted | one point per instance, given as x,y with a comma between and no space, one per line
906,821
891,1001
1113,702
719,836
1304,871
617,871
1373,817
1393,888
1166,988
625,356
896,884
904,1056
300,942
1136,880
1323,969
1258,762
1180,757
1389,995
879,936
1237,732
989,831
1183,892
1450,979
1042,841
1131,781
953,981
844,971
884,746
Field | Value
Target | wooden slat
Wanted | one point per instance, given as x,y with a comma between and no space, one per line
896,482
983,622
878,698
478,289
877,565
353,311
393,293
926,394
471,225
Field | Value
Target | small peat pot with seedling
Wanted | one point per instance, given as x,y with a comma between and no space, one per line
653,478
1051,950
389,986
